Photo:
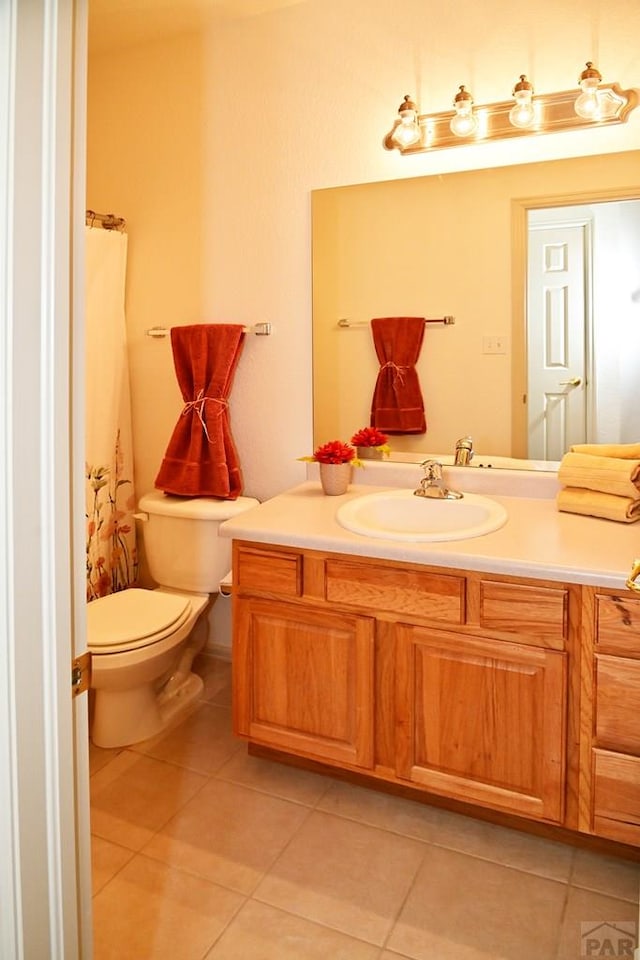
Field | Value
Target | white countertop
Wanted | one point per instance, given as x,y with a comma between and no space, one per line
536,541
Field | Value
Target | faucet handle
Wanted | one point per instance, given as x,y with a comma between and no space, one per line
464,451
432,470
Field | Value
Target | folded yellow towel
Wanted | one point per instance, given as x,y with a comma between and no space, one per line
624,451
606,474
591,503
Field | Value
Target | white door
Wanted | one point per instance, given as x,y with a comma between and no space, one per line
557,323
44,836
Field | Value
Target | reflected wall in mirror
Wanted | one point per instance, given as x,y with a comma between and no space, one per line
457,244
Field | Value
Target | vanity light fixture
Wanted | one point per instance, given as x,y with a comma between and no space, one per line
598,104
464,122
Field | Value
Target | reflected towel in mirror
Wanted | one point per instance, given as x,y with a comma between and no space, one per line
397,406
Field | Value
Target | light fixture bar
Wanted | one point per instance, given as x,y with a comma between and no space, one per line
554,112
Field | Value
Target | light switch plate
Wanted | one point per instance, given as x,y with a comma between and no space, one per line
494,344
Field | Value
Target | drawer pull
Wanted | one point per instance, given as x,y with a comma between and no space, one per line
633,576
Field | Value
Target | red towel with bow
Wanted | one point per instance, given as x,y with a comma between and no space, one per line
201,459
397,405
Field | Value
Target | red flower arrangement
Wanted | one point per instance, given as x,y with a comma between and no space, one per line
371,437
333,452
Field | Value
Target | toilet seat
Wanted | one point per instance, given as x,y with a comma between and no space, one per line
134,618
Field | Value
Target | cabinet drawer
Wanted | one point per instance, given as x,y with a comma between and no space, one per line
537,615
618,704
618,624
268,571
616,796
377,587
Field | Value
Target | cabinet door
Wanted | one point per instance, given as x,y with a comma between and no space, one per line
303,680
482,720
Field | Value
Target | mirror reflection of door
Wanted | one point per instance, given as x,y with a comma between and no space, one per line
583,326
558,308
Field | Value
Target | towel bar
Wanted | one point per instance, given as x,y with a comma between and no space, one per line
344,322
260,330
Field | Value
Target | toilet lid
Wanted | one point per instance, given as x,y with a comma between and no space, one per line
133,617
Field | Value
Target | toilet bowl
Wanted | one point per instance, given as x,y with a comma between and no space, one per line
143,642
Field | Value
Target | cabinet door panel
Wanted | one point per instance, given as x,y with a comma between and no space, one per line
381,587
273,571
535,615
482,720
618,624
303,680
618,704
616,796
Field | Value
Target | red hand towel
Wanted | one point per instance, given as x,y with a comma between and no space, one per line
201,459
397,405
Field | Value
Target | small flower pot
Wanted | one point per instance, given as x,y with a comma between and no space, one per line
335,478
370,453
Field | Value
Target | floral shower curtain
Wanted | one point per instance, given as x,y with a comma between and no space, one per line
112,561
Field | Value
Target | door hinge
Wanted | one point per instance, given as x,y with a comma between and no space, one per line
81,673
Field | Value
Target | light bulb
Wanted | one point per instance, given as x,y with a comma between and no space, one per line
464,123
522,113
587,105
408,130
406,133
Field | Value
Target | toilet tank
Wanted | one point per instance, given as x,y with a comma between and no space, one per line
181,542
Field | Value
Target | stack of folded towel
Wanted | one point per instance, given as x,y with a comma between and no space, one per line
601,480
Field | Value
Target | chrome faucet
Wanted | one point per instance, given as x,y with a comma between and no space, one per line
464,452
432,484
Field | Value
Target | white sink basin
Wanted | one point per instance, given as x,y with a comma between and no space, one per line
400,515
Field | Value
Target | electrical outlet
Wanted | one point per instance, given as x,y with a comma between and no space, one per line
495,344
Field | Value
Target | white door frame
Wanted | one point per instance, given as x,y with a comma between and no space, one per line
44,837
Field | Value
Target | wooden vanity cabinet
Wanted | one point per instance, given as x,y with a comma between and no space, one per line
445,681
615,717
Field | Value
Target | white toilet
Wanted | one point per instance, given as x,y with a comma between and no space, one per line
143,642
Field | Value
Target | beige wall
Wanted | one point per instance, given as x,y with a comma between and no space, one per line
211,144
145,161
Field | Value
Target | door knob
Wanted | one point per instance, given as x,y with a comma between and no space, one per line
574,382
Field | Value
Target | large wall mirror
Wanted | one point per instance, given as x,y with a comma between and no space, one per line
540,266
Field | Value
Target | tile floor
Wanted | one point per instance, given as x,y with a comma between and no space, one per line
203,853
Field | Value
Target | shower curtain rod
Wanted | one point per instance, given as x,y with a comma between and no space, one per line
108,221
260,329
